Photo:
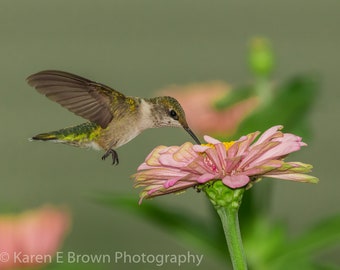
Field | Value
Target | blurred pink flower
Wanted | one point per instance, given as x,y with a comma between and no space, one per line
198,101
31,238
237,164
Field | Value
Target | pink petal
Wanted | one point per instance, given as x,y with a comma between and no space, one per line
236,181
298,177
213,161
277,152
206,177
257,153
168,150
222,154
245,141
168,161
144,166
152,158
268,134
171,182
198,166
232,163
211,140
265,168
185,153
288,137
200,148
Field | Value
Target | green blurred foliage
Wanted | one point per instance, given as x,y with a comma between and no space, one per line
289,107
184,226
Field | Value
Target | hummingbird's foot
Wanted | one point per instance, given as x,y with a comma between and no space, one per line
113,153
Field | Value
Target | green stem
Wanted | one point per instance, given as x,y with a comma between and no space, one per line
263,89
229,218
227,202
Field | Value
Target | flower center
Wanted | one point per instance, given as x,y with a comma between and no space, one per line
210,164
227,145
209,161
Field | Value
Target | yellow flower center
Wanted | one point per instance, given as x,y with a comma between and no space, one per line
227,145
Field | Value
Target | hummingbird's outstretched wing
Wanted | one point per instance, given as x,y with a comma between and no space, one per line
86,98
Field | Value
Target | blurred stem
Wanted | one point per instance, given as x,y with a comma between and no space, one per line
227,202
263,89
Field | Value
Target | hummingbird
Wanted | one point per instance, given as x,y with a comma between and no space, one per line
113,118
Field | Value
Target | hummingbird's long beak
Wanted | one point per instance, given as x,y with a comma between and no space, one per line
192,135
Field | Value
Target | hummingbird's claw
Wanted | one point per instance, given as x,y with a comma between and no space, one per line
113,153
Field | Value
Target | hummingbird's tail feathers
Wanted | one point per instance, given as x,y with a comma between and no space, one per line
45,137
83,135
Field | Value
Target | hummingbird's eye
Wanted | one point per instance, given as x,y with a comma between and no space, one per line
174,115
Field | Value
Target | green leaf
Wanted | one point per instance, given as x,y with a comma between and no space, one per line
324,235
326,266
289,107
185,226
261,238
72,266
235,96
268,247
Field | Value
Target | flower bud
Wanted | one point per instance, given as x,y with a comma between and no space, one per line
261,58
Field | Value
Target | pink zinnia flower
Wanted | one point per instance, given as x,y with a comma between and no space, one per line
34,234
237,164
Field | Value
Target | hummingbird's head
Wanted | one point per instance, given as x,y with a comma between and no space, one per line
170,113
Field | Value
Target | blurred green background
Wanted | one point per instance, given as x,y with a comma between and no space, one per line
138,47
